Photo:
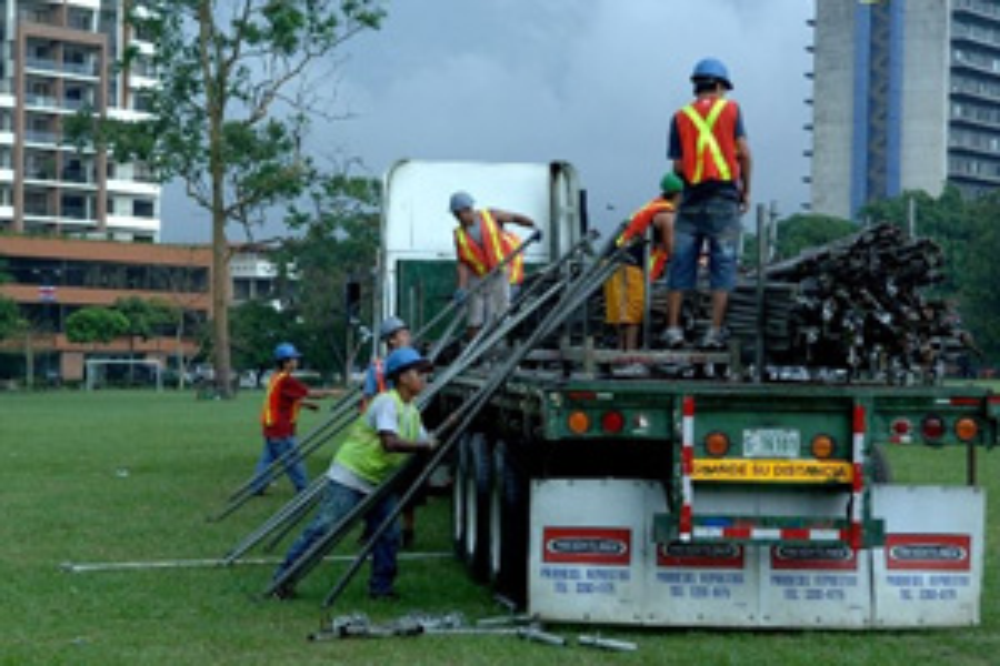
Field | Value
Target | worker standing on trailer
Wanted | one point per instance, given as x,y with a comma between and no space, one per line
625,291
376,446
709,149
481,244
285,396
395,334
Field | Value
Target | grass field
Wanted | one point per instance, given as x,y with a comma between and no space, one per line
128,476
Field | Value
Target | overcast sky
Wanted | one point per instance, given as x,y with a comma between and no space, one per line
592,82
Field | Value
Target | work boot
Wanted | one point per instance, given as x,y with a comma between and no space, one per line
673,337
715,338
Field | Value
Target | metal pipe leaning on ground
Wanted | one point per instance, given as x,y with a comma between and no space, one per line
578,290
606,643
475,351
301,568
344,411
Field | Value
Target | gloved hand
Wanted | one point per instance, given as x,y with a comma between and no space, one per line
460,295
537,235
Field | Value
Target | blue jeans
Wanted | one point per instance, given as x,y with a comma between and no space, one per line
336,504
716,220
274,449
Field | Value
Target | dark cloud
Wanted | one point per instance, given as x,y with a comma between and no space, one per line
590,82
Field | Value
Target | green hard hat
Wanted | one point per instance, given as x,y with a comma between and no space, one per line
671,183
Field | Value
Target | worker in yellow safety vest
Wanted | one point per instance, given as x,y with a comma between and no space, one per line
481,244
625,291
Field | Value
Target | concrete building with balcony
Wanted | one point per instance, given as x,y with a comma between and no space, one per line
57,57
51,278
906,97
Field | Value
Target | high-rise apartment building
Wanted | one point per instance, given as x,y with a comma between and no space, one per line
57,57
906,97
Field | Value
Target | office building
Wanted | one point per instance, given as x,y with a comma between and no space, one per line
906,97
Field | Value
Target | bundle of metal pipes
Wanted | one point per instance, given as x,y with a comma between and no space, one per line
855,308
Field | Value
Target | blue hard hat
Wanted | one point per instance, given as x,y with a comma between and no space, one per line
461,201
390,327
711,68
404,359
285,351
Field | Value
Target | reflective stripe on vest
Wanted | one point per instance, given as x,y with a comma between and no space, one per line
510,244
269,413
708,141
480,259
640,223
380,375
362,452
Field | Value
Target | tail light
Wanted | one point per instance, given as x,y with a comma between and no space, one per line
901,427
966,429
932,428
612,422
823,446
717,444
578,422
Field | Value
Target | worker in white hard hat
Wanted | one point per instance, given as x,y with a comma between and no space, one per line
482,243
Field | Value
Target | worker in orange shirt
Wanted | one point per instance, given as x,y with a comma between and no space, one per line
625,291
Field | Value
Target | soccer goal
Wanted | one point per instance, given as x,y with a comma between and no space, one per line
97,370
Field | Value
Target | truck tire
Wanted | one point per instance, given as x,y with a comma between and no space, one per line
508,563
476,505
458,507
881,469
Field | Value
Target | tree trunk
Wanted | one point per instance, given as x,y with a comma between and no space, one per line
215,102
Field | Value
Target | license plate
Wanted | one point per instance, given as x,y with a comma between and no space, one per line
771,443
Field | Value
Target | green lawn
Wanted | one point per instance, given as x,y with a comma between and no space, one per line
129,476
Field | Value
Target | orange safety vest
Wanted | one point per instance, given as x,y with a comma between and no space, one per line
481,259
380,375
707,129
269,414
510,243
637,226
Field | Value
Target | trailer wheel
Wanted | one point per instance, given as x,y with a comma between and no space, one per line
478,480
881,469
508,527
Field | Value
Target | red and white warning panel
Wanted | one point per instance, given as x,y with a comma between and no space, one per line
593,560
588,544
930,572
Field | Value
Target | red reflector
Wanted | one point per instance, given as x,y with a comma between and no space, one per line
613,422
901,427
582,395
933,428
965,402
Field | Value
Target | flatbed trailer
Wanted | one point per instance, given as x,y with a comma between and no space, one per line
665,501
719,504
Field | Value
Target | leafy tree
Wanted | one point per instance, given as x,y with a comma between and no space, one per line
227,119
339,244
980,296
257,328
798,233
96,325
10,318
146,318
